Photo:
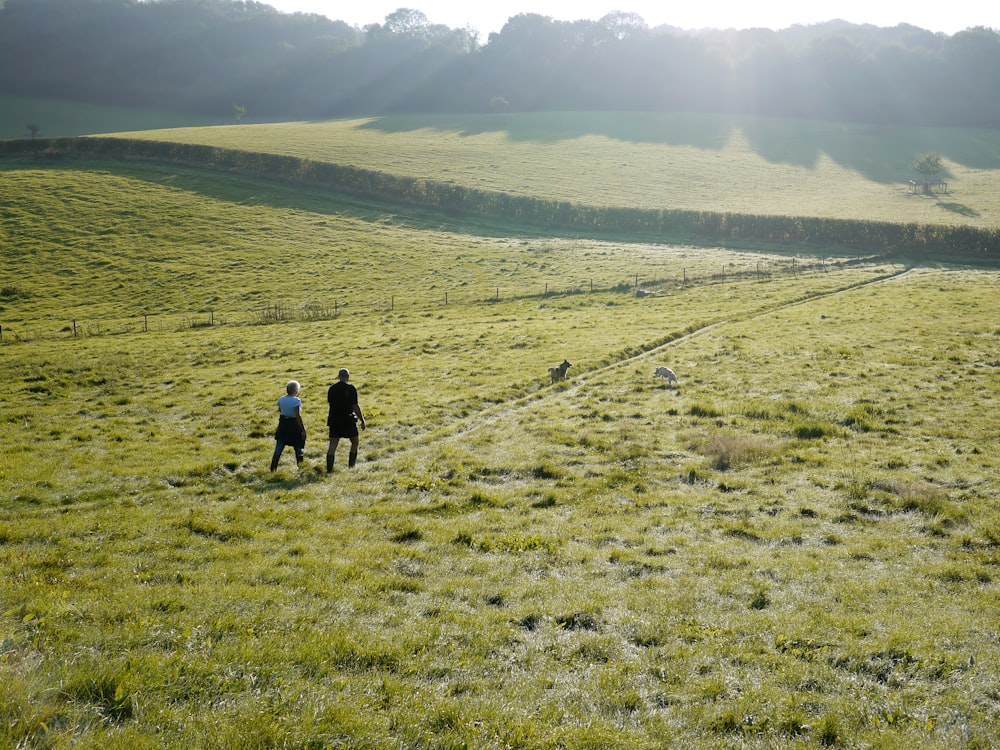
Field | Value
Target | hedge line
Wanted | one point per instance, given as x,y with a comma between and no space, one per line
895,238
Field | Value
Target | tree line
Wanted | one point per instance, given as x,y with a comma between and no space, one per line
244,58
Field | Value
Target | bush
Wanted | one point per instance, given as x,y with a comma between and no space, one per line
865,417
701,410
811,430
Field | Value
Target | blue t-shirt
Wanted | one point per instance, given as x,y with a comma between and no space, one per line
288,404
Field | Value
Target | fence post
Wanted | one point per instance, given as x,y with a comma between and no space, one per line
546,287
74,327
211,317
498,292
591,285
145,323
685,276
1,333
392,303
446,299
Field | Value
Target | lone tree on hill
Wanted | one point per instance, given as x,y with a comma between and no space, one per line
928,165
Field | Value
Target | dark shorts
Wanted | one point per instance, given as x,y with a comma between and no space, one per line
288,433
343,428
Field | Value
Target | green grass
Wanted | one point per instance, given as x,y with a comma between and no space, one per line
657,160
794,547
244,249
56,118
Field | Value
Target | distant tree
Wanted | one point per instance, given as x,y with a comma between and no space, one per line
192,55
624,25
32,128
971,58
458,41
407,22
239,112
834,65
928,165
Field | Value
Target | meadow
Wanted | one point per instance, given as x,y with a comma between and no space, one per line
795,547
247,247
55,118
653,160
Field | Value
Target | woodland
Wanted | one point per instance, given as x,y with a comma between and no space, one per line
248,60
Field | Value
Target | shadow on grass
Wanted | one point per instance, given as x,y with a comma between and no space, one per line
882,153
958,208
288,479
260,191
703,131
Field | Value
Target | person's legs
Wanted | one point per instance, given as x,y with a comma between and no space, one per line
278,448
331,452
353,456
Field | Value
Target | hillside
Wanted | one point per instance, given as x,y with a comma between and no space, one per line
655,160
795,546
55,117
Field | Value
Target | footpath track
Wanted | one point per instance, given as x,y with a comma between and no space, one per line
462,426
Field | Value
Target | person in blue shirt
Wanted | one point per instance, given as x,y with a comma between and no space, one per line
291,429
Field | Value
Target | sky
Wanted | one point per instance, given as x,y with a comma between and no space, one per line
487,16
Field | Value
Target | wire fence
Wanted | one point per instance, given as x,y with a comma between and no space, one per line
290,312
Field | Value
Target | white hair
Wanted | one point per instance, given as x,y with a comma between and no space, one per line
292,388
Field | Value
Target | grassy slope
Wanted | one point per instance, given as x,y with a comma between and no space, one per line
602,564
241,245
59,118
797,547
655,160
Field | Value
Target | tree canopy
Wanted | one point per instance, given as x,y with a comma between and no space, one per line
204,55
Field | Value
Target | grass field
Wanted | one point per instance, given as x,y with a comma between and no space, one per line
246,246
795,547
659,160
56,118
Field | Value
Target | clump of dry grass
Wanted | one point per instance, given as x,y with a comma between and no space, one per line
728,450
924,497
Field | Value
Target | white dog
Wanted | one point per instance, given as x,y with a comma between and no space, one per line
666,373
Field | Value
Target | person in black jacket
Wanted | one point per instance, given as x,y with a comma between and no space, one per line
344,418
